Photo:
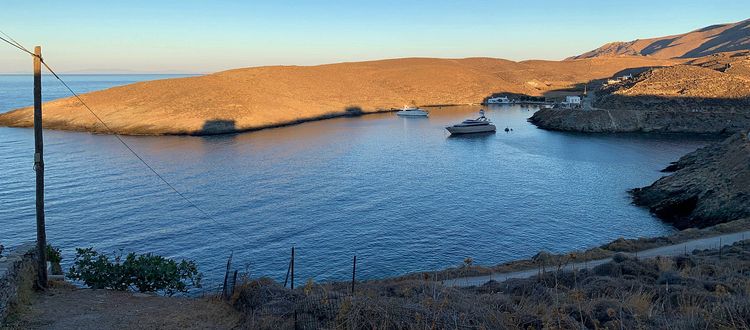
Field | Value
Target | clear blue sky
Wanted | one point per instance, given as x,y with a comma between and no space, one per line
206,36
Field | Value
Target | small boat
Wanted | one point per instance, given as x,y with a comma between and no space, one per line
412,112
546,106
499,100
479,125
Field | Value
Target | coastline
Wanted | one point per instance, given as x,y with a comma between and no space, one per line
608,250
626,121
349,113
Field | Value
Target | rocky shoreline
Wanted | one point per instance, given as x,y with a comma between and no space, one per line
622,121
709,186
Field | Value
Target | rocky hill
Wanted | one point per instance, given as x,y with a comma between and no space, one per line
706,95
706,41
708,186
260,97
714,83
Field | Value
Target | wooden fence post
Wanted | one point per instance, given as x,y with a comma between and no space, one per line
224,292
354,271
292,270
234,284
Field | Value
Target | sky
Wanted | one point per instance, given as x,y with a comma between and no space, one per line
192,36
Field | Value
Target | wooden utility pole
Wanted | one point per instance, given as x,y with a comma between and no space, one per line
41,233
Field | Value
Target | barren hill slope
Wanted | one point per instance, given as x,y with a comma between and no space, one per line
706,95
712,83
706,41
254,98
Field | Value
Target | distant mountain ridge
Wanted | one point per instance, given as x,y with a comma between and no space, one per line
702,42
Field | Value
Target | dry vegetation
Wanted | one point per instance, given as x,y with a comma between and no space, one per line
708,289
714,83
254,98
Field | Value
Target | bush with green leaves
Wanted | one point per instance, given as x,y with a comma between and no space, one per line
142,272
53,254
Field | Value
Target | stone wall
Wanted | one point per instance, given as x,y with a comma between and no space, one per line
17,269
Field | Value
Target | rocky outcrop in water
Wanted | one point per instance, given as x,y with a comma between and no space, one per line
709,186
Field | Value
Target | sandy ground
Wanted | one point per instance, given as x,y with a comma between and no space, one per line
669,250
67,307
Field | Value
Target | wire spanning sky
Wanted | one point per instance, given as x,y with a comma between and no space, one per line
192,36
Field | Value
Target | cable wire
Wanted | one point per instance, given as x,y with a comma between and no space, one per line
15,44
19,46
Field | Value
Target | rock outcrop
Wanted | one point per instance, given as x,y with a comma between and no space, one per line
709,186
621,121
706,95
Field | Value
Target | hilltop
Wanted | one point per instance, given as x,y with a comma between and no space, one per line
702,42
260,97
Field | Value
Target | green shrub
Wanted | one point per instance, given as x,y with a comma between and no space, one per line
54,257
144,273
53,254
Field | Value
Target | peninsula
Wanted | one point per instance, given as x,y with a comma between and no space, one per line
261,97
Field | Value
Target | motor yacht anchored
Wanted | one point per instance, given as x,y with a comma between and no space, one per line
479,125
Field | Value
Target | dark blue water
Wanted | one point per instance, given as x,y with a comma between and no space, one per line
399,193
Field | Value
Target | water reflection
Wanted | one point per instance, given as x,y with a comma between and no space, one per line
398,192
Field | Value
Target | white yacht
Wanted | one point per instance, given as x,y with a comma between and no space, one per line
499,100
412,112
479,125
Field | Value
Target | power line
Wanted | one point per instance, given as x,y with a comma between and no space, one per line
19,46
15,44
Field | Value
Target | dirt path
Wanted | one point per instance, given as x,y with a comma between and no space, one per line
669,250
66,307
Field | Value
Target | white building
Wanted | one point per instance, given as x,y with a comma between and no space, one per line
573,99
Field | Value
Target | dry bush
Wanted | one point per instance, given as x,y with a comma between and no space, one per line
687,292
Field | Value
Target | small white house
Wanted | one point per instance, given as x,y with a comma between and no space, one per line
573,99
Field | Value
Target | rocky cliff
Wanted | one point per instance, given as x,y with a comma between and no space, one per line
710,185
619,121
706,95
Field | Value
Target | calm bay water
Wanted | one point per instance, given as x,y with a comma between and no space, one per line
398,192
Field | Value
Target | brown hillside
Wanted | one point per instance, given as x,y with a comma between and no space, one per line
706,41
254,98
716,82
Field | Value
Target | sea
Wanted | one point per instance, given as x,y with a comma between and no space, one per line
399,193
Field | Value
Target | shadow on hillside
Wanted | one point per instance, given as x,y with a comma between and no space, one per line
732,39
559,94
353,111
217,126
674,103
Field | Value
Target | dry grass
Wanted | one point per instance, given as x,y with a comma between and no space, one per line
700,291
627,292
253,98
